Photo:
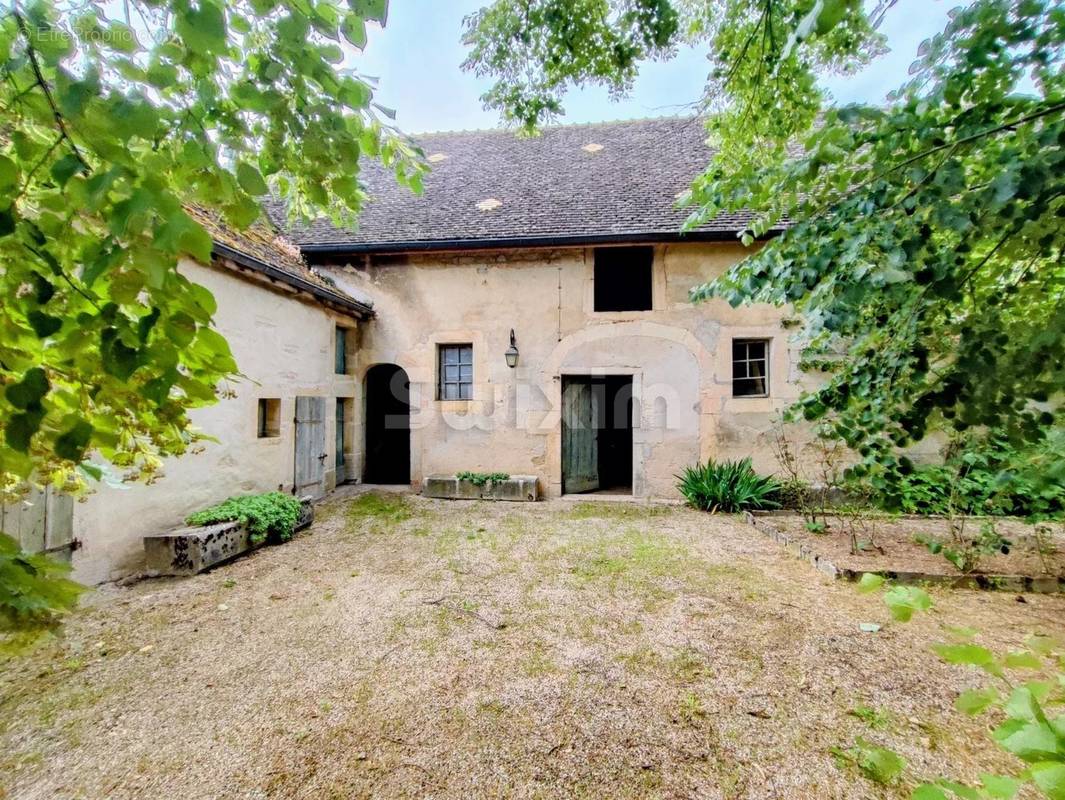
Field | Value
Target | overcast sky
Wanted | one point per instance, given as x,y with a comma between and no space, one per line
417,57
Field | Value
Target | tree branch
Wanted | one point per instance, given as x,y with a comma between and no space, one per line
59,121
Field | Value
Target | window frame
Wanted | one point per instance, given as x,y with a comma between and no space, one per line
598,294
442,371
747,341
340,351
268,418
340,420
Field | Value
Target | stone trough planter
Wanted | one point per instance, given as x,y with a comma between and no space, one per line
187,551
516,488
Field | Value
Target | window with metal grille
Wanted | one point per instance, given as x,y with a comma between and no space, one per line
750,367
455,379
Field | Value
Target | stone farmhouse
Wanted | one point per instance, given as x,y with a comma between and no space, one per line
528,314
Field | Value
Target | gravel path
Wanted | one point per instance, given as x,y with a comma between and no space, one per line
413,648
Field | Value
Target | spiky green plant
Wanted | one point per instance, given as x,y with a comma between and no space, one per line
727,486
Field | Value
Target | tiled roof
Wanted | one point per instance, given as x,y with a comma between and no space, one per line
599,182
262,248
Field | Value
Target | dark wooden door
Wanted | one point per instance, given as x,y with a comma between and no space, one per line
580,437
310,447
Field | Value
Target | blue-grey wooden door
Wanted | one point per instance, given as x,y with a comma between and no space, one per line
310,446
580,437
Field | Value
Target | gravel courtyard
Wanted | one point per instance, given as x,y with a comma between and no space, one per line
412,648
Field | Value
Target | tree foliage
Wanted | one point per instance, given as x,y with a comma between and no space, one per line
115,118
921,239
1026,696
34,593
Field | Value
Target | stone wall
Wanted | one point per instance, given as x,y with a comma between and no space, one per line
284,346
679,355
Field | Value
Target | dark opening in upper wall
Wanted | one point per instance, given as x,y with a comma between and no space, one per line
623,278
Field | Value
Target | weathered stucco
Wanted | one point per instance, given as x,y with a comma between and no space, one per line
679,355
285,347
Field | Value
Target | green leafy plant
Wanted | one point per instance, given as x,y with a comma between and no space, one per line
727,486
34,593
968,553
271,516
878,764
1027,708
134,133
482,478
131,131
980,474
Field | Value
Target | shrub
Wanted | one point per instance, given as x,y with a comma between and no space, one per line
482,478
980,475
271,516
34,593
727,486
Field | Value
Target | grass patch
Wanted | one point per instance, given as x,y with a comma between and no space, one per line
383,510
688,666
592,510
690,709
874,718
634,554
537,663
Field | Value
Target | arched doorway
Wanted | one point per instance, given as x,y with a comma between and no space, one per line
387,425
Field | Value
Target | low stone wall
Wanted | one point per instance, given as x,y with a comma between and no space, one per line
187,551
516,488
1010,583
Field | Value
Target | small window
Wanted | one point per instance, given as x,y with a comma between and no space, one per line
269,417
455,380
750,367
623,278
342,351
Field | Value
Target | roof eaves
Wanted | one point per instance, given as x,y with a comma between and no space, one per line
362,310
495,243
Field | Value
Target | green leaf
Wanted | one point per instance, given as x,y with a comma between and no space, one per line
354,30
971,654
44,325
870,582
903,601
1000,787
1031,742
9,174
976,701
28,392
71,443
20,429
1022,660
250,180
1050,778
928,791
878,763
376,10
203,28
7,221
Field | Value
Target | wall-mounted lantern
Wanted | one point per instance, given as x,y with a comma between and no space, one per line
512,351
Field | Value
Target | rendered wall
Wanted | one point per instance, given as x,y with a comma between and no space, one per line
284,345
679,355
